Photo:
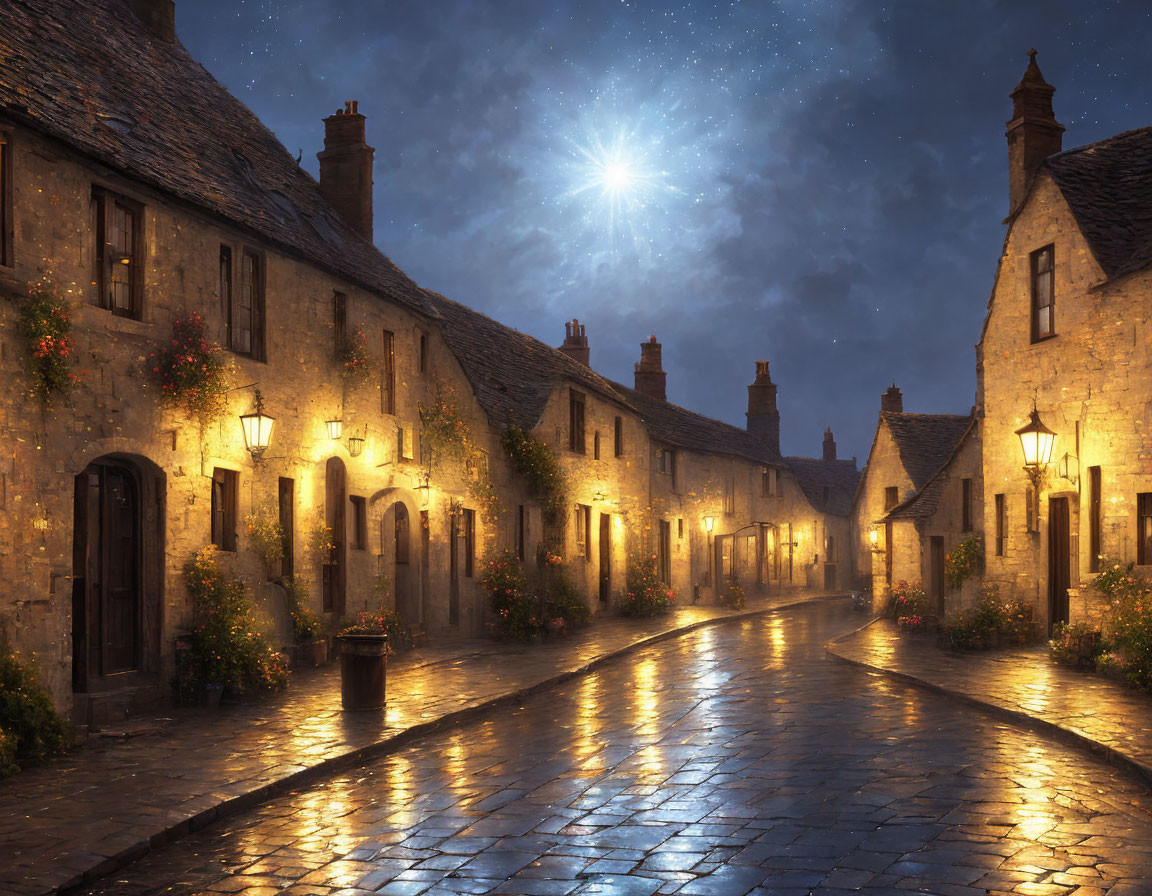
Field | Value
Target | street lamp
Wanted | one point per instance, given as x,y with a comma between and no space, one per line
1036,442
257,429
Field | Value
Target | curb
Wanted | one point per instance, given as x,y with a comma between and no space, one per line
328,767
1052,730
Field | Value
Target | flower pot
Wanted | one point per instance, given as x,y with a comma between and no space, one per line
363,667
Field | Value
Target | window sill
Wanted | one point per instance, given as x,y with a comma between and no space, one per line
96,318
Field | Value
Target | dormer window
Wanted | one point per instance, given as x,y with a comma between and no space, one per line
1043,293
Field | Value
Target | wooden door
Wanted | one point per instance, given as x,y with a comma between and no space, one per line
405,602
936,572
1059,565
454,569
605,557
335,570
107,590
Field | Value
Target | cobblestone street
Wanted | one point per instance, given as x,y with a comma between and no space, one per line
734,759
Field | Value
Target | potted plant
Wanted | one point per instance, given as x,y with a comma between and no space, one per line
363,662
309,643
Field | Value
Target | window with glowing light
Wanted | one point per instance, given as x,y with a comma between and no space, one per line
1043,293
119,253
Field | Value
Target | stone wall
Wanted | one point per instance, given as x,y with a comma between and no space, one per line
1090,383
884,470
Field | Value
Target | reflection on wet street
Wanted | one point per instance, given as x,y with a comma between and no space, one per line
731,760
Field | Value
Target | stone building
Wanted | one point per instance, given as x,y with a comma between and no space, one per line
1067,333
901,533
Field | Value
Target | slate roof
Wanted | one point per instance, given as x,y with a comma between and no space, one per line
1108,186
511,374
925,441
681,428
89,74
838,476
924,501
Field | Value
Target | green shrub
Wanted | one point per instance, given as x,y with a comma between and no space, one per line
563,600
227,647
733,596
964,560
516,610
646,594
540,467
30,728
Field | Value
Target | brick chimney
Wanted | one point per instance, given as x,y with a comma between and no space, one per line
650,375
576,343
829,445
892,401
346,168
1033,133
763,418
158,16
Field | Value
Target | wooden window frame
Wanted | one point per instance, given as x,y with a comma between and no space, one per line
576,422
104,205
891,497
1095,507
1038,302
1144,525
225,491
256,287
388,373
596,445
359,522
618,437
584,531
339,324
664,552
999,524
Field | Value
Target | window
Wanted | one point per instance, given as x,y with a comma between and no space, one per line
521,525
1043,298
680,527
664,553
423,352
5,201
225,286
287,501
469,543
583,527
769,482
359,522
891,497
726,544
729,496
965,505
119,254
1001,539
666,461
1144,528
576,421
405,443
618,437
388,374
246,311
224,508
339,324
1094,519
596,445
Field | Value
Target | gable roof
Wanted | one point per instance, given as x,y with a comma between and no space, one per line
1108,187
89,74
838,476
924,501
924,441
512,374
682,428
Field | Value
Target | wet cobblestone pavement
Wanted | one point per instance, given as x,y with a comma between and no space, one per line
88,813
736,759
1020,683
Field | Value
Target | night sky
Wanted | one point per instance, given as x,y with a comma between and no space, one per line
817,184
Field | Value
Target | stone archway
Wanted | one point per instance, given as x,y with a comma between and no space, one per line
401,553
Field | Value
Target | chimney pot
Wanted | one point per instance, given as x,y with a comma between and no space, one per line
1033,133
346,168
651,380
763,416
892,401
576,343
829,445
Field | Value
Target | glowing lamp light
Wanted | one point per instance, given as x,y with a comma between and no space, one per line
335,428
874,536
257,429
355,445
1036,441
709,522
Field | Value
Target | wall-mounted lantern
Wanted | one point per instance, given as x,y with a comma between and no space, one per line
874,538
355,445
335,428
257,429
1036,442
1069,468
709,523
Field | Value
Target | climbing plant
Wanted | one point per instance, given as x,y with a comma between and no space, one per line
541,468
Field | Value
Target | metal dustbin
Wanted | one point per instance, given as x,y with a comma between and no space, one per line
363,671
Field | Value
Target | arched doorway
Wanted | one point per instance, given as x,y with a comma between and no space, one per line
335,570
117,573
